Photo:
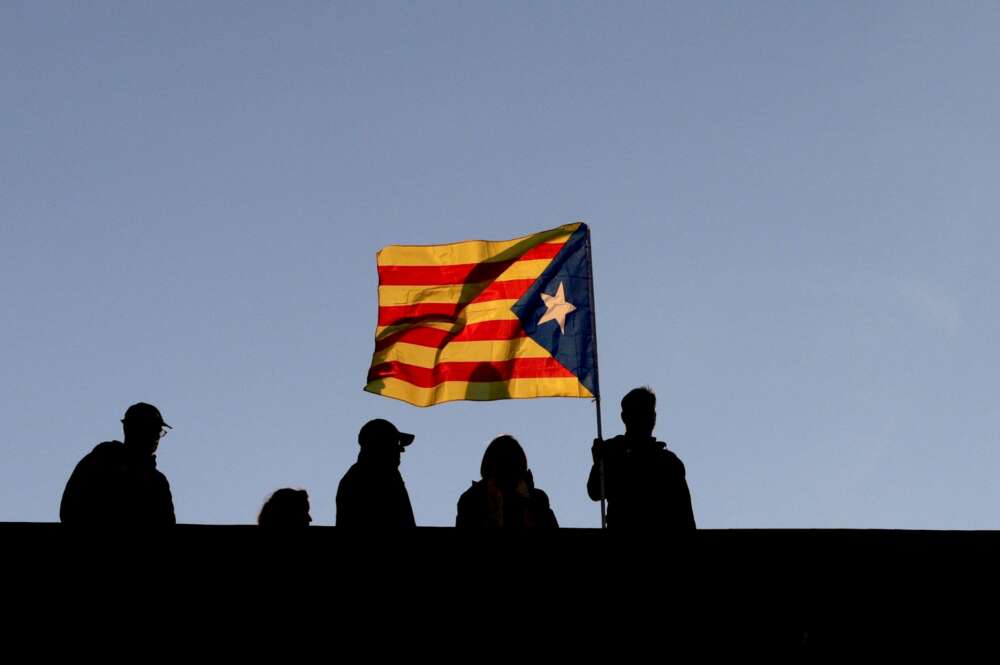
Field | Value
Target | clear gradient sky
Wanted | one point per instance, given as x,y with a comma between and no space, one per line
794,209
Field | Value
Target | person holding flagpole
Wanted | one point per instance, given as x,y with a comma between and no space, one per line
644,483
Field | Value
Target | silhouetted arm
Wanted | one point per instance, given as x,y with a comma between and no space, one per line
594,483
684,499
165,503
462,518
82,499
345,502
404,507
602,450
680,510
546,516
74,496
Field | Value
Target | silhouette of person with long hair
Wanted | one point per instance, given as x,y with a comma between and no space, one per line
506,496
286,508
117,482
644,482
372,493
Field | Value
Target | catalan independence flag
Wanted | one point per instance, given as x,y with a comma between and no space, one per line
482,320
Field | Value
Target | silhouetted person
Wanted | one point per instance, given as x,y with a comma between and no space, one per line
117,483
287,508
644,482
506,496
372,494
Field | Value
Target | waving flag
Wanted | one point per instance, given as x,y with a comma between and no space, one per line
481,320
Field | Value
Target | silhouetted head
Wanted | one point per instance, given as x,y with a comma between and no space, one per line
287,507
504,461
381,442
639,412
144,427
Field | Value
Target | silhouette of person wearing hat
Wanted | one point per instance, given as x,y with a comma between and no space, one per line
644,483
506,496
117,483
287,508
372,494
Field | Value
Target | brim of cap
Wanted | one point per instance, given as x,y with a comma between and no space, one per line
405,439
162,424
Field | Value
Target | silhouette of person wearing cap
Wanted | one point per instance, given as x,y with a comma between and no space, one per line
372,494
644,482
286,508
117,483
506,496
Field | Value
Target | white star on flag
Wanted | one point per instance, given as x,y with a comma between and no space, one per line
557,308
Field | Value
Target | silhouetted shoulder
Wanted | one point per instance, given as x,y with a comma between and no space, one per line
107,450
474,493
540,498
670,465
673,462
348,484
104,456
543,510
86,496
470,505
161,480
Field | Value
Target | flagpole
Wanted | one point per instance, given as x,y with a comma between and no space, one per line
604,513
597,382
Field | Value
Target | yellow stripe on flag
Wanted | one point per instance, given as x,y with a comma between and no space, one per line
493,351
470,251
478,391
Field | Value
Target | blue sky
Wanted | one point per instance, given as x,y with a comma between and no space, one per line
793,206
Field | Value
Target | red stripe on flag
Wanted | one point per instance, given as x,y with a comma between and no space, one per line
517,368
389,315
486,331
462,273
511,289
398,314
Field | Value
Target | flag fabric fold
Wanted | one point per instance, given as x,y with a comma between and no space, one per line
486,320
